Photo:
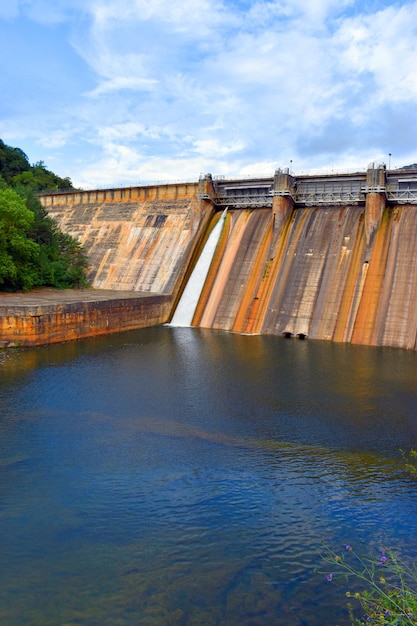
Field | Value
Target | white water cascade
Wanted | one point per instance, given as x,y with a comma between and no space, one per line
186,307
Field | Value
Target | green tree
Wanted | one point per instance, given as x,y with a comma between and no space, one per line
62,261
39,178
19,254
13,161
33,250
16,170
44,179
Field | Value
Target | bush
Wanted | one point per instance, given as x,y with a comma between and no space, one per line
389,593
33,251
411,462
19,254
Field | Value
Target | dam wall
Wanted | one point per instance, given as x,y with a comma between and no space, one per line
328,257
136,239
332,260
317,278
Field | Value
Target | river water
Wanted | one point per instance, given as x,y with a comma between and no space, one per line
179,476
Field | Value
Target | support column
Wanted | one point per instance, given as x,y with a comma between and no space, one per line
283,201
206,199
376,198
206,188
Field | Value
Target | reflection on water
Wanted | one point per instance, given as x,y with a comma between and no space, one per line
180,476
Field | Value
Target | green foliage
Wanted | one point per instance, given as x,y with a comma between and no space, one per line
62,262
39,178
389,586
18,253
17,171
13,161
411,462
33,250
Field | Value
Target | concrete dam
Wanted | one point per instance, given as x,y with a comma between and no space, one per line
328,257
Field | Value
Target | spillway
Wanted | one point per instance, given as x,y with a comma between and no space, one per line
184,312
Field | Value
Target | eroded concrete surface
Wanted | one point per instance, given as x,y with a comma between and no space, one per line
46,316
52,297
343,273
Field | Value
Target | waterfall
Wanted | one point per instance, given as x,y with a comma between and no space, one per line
184,312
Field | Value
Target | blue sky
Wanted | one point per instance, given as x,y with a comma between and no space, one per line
119,92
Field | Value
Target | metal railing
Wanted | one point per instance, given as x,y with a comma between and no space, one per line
329,195
243,201
407,196
307,192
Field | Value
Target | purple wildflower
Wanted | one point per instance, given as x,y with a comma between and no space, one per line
348,548
329,578
383,559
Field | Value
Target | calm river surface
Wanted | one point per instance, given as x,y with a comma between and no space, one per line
175,476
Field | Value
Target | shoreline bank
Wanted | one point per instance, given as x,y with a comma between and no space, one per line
45,316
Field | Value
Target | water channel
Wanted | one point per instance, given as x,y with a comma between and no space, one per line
178,476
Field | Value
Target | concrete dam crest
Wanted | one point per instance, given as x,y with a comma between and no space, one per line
325,257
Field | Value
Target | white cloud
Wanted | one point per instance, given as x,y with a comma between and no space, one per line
122,82
56,138
216,148
383,45
181,15
173,88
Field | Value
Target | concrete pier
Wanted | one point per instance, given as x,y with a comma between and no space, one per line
46,316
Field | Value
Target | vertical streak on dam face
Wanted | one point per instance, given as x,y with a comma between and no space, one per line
341,272
268,276
364,329
396,319
212,273
289,274
137,239
352,287
319,276
343,230
250,299
184,312
228,289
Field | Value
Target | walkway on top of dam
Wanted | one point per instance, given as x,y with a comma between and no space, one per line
399,186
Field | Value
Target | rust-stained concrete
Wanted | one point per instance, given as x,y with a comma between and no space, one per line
137,239
344,272
46,316
326,275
